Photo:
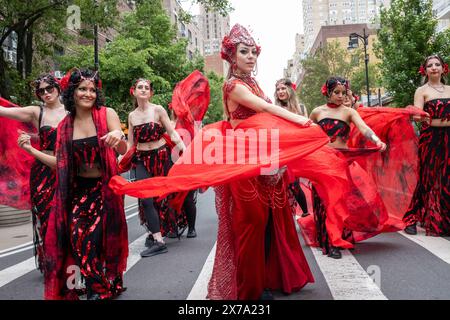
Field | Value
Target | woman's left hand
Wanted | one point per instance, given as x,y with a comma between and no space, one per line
113,138
381,145
24,142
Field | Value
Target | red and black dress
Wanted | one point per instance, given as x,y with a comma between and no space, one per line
430,204
154,163
87,231
366,214
42,190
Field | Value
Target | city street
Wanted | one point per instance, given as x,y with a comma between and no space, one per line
387,267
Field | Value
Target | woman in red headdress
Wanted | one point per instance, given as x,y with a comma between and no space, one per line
87,232
42,174
430,204
247,158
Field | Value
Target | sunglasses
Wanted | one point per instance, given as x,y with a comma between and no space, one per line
42,91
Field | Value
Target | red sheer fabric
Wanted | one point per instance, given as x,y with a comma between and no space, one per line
190,101
226,157
395,170
15,163
381,183
114,229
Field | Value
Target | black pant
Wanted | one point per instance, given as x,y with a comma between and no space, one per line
189,207
299,196
150,213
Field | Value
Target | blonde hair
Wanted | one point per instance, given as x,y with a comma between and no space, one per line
292,103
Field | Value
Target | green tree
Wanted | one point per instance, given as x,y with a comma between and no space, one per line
442,45
358,78
406,36
215,109
146,46
39,27
331,60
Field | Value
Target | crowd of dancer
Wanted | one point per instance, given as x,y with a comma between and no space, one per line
360,171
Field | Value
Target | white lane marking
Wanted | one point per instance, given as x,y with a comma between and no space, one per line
200,288
438,246
16,271
17,247
29,245
346,278
135,248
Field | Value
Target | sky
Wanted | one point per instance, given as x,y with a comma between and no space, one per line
273,24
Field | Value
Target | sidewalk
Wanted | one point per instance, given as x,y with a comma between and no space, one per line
15,235
22,234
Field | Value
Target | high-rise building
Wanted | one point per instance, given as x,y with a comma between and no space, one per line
318,13
441,8
294,65
191,31
214,28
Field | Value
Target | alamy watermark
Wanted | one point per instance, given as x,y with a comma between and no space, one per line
374,273
234,146
73,21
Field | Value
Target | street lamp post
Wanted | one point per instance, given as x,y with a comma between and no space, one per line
353,43
96,63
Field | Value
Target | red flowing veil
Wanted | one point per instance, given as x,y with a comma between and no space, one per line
395,170
15,163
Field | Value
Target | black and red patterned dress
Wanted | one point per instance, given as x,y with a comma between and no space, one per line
42,191
157,162
334,128
366,214
86,217
430,204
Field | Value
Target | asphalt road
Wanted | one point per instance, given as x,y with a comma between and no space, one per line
387,267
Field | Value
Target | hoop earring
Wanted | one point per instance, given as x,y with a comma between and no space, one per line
255,70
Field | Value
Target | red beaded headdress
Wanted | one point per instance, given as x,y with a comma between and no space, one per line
238,34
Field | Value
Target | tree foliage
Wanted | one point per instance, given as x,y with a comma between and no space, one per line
146,47
39,27
330,60
407,35
215,109
358,78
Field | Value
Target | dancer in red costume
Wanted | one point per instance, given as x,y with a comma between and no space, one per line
368,215
286,97
87,229
430,204
152,157
259,138
42,174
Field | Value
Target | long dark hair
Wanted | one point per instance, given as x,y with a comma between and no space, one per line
47,78
424,66
76,77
